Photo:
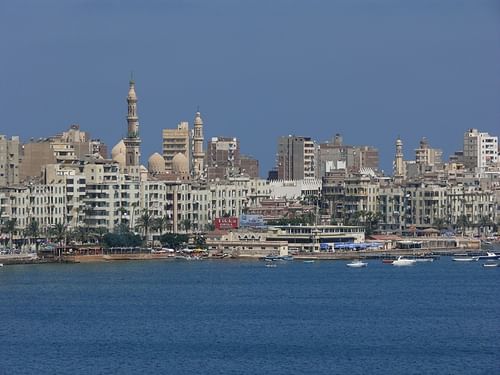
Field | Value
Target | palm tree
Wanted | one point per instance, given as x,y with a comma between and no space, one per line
144,222
58,232
462,222
160,224
81,234
33,231
99,233
10,227
186,224
484,222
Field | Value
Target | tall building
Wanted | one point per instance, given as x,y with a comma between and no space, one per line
223,157
198,154
335,155
175,141
9,160
132,141
426,155
296,158
480,150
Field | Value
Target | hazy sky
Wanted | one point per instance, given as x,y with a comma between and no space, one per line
368,69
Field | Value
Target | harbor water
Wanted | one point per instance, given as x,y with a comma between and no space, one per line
240,317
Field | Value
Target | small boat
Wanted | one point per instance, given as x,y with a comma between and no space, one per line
357,264
309,261
489,255
465,259
270,265
400,262
387,261
1,264
424,259
490,264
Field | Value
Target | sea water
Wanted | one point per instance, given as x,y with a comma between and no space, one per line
240,317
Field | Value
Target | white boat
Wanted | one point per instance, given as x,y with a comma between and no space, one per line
309,261
465,259
1,264
489,255
357,264
270,265
490,264
403,262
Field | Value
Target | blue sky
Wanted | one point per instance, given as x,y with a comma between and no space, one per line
368,69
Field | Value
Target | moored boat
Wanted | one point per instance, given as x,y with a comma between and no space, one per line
489,255
490,264
357,264
465,259
387,261
400,262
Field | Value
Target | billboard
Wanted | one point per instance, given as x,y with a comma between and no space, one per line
226,222
251,221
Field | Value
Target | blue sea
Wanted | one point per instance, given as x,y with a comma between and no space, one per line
240,317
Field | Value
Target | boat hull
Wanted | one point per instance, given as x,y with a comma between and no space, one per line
356,265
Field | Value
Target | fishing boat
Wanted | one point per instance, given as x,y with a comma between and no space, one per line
357,264
401,262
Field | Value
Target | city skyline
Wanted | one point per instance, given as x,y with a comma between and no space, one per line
312,71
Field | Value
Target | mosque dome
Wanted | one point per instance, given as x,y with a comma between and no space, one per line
156,163
118,149
180,164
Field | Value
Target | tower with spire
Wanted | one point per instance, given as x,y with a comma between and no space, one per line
399,167
198,154
132,141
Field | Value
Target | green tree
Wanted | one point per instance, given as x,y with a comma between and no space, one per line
144,222
10,227
186,225
174,240
484,222
33,231
81,234
98,234
127,239
58,233
462,223
160,224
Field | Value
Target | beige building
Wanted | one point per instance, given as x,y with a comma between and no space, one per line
9,160
175,141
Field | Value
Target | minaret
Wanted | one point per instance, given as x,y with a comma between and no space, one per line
132,141
198,154
399,168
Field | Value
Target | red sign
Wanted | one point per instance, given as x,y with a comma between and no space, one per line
226,222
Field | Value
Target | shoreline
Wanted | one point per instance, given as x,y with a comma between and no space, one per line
337,256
